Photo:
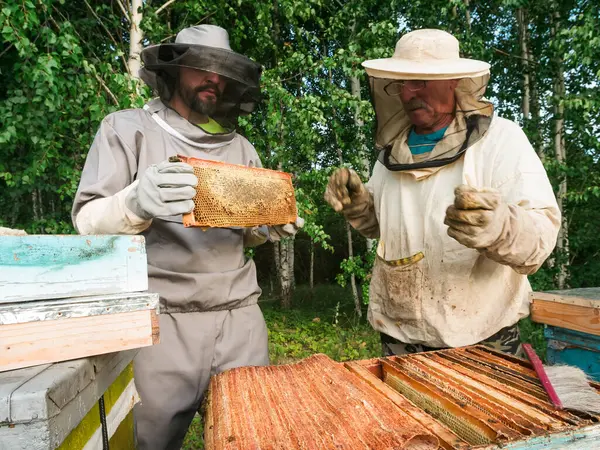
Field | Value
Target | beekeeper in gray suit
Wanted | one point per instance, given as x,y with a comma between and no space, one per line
210,320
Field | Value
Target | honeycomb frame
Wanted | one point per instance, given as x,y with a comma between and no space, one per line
232,195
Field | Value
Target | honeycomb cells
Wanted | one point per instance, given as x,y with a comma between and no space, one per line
230,195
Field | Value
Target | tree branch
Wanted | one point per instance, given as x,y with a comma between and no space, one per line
107,32
197,23
166,5
107,89
5,50
125,13
502,52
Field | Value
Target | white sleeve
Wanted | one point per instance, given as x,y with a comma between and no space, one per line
531,228
109,215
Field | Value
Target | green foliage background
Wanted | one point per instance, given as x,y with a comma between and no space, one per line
64,67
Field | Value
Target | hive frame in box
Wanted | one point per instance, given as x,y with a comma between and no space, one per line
232,195
467,398
515,379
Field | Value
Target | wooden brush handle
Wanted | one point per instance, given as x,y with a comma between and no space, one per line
542,375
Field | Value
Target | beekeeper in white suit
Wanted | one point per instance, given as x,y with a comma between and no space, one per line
458,198
210,320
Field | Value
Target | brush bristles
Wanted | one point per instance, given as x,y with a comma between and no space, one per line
573,389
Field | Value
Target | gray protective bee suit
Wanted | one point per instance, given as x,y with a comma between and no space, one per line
210,320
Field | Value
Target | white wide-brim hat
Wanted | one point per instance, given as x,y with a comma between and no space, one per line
426,55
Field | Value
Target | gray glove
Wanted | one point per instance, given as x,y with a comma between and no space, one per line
278,232
165,189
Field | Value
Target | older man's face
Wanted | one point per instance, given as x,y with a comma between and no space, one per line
200,90
430,104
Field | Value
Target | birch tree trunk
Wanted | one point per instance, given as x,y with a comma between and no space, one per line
285,277
135,37
522,26
284,262
354,86
276,258
292,260
535,113
364,151
530,106
562,245
529,102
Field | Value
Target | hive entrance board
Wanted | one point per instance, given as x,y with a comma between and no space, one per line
230,195
467,398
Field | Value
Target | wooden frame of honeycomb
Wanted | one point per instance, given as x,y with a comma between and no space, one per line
453,399
231,195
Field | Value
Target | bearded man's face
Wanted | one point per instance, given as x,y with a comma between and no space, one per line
200,90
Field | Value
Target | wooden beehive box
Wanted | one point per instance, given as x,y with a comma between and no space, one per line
231,195
67,297
467,398
572,331
56,406
313,405
38,267
573,309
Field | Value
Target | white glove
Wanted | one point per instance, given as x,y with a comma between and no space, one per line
165,189
477,218
255,236
11,232
278,232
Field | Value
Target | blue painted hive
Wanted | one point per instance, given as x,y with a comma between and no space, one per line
572,327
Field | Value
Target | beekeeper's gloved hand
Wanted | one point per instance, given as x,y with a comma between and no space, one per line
477,218
346,192
164,189
278,232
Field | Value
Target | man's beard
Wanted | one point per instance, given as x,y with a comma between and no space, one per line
195,103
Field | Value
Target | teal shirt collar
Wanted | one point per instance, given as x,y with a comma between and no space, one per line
424,143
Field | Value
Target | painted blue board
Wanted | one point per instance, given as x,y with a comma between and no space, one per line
42,267
582,439
575,349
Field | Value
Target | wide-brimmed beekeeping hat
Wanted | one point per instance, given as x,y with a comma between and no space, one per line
424,55
206,47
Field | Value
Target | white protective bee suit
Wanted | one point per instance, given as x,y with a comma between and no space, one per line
433,284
